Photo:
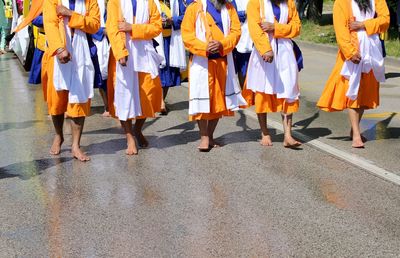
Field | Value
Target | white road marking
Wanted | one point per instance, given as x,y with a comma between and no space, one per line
356,160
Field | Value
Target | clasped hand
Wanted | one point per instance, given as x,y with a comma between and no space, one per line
63,11
214,46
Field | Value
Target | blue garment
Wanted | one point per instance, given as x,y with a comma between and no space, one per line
134,6
99,35
241,62
36,67
170,76
177,20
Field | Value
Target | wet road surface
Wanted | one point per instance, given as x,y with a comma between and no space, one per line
240,200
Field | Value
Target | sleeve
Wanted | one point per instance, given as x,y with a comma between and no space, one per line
188,28
150,30
38,21
292,28
89,23
117,38
260,38
230,41
177,20
51,23
342,31
381,22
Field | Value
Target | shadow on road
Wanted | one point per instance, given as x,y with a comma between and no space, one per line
392,75
28,169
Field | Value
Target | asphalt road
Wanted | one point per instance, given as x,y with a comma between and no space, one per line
241,200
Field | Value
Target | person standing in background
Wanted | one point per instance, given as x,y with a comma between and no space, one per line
172,12
6,15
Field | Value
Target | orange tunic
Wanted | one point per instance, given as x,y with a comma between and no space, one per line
266,103
150,89
57,101
333,97
216,67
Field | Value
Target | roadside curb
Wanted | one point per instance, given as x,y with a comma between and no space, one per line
392,61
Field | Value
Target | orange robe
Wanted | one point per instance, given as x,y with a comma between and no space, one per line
266,103
57,101
217,68
333,97
150,89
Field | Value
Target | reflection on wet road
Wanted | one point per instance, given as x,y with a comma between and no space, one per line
241,200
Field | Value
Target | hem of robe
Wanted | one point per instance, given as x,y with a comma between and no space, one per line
269,103
333,97
210,116
150,92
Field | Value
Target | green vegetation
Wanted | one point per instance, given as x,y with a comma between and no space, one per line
325,34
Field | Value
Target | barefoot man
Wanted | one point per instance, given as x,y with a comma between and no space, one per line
210,31
136,91
359,68
273,71
68,81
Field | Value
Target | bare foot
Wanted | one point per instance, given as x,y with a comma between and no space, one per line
143,143
204,144
290,142
266,140
132,148
78,154
357,142
363,138
56,146
106,114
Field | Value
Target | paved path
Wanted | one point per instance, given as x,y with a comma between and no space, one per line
241,200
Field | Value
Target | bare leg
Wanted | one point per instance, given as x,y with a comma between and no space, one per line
265,137
103,95
288,141
204,139
212,124
76,129
164,110
130,140
364,139
355,118
58,122
139,134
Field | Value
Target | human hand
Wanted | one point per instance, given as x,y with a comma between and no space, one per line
123,61
267,27
124,26
63,11
63,56
214,46
356,58
268,57
356,26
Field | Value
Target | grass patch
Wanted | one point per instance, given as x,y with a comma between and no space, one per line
324,33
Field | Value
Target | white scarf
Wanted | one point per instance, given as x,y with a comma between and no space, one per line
370,49
76,76
177,53
281,76
103,47
142,58
245,44
159,39
199,95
